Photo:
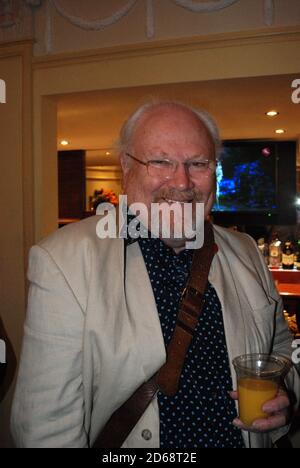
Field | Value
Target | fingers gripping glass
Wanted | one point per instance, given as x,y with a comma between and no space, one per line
165,168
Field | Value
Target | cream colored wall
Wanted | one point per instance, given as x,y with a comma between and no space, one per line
171,21
45,162
15,205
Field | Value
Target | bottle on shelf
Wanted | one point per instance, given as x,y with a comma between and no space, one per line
264,249
297,256
288,256
275,252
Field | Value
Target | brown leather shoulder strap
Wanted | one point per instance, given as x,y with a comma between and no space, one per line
189,311
126,417
167,379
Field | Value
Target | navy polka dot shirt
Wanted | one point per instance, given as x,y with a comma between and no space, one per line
200,415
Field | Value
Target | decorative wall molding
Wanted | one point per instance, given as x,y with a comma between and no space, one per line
10,16
94,25
15,20
34,3
12,11
206,7
269,12
145,49
9,13
97,25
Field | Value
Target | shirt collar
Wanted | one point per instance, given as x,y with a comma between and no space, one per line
161,246
128,240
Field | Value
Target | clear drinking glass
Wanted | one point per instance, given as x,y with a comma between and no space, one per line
258,379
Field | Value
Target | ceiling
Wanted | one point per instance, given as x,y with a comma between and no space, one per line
92,120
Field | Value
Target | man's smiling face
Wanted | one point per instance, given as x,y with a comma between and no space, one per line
173,133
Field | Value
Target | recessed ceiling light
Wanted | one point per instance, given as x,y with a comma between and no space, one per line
280,131
107,153
64,142
272,113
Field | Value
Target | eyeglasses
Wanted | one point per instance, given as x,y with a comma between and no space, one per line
165,168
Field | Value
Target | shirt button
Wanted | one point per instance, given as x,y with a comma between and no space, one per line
146,434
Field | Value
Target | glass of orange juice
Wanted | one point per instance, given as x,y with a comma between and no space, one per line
258,379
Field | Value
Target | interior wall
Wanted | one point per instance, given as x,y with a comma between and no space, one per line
45,163
16,210
170,21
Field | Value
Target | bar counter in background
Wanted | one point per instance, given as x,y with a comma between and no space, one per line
288,285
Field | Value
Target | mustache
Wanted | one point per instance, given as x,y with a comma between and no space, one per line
181,196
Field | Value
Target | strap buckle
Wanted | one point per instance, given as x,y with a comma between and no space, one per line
189,290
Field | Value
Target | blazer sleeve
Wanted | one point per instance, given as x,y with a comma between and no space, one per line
283,345
283,338
48,406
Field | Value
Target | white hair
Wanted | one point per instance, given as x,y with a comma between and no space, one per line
132,122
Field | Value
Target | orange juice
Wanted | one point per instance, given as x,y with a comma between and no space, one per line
253,394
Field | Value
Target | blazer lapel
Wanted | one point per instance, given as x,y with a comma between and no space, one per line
142,307
235,330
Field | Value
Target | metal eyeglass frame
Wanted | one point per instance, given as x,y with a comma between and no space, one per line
175,164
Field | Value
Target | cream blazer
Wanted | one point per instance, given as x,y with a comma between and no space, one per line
93,335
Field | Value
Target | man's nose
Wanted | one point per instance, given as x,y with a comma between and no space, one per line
181,178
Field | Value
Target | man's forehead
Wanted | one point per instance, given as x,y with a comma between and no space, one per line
170,114
162,140
168,125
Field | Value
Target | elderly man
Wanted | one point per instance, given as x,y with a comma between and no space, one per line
102,311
